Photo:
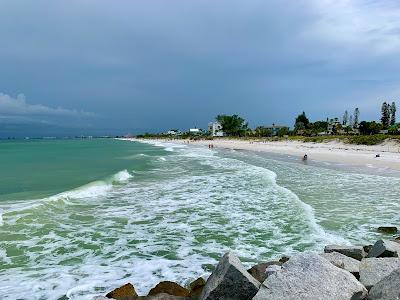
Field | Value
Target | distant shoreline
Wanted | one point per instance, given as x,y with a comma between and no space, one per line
332,151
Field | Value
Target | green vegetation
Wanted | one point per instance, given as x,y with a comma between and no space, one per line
366,139
373,139
347,139
233,125
348,130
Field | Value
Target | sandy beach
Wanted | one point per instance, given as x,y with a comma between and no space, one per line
336,152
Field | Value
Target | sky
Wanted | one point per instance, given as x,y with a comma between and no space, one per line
129,66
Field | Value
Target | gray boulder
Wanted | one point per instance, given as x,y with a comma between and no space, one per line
258,271
308,276
388,288
162,296
356,252
385,248
344,262
373,270
230,280
272,269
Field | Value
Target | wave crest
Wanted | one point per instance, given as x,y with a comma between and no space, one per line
95,188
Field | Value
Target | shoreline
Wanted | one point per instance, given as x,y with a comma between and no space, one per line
334,151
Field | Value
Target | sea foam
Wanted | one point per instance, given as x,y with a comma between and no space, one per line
122,176
175,220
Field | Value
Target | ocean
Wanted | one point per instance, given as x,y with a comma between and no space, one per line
79,218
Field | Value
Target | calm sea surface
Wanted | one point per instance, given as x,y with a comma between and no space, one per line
81,217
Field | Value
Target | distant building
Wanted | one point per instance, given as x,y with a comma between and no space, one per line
215,128
333,126
173,132
195,131
275,128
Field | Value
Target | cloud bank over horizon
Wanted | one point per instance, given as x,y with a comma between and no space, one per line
177,64
17,106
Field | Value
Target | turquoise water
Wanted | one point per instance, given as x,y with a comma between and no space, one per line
40,168
80,217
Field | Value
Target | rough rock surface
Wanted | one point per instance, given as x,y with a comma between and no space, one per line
356,252
170,288
230,280
162,296
272,269
344,262
196,287
125,292
388,288
309,276
373,270
385,248
258,271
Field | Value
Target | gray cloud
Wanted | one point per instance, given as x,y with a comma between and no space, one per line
10,106
178,63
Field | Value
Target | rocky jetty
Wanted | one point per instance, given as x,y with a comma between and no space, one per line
369,272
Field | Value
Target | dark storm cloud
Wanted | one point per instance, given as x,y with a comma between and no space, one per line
160,64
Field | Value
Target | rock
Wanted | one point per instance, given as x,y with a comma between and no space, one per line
258,271
367,248
170,288
230,281
100,298
388,288
272,269
163,296
125,292
284,259
356,252
385,248
309,276
344,262
372,270
196,287
388,229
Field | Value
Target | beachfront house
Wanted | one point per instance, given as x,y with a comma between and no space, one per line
173,132
215,129
274,128
334,126
195,131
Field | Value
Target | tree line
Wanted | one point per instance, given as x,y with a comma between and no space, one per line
234,125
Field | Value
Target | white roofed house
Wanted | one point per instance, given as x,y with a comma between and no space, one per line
195,131
215,129
173,132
